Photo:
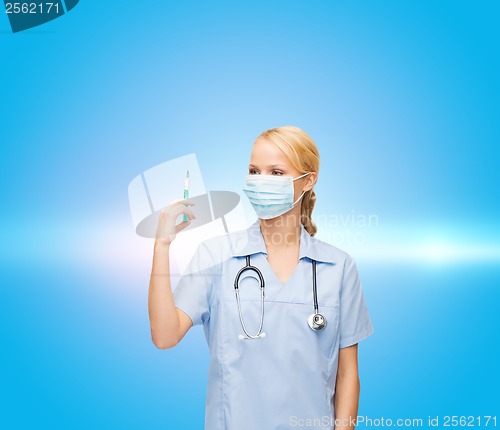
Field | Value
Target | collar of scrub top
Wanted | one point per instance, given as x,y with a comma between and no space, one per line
309,246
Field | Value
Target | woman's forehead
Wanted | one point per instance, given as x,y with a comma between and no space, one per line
266,154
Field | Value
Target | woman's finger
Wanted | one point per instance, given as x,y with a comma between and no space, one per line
181,226
173,212
177,202
188,212
186,202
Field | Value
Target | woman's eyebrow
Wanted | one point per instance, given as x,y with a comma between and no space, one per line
272,165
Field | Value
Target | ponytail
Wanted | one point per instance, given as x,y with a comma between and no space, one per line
306,209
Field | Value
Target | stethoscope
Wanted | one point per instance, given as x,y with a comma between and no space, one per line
316,321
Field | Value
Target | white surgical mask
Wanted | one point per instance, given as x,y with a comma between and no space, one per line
271,195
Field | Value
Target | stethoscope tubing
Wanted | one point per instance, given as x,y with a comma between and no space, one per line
315,288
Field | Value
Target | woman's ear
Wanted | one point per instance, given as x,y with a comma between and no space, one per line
311,180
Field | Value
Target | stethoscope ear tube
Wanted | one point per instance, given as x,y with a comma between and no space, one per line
247,267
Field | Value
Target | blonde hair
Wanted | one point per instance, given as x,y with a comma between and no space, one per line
303,153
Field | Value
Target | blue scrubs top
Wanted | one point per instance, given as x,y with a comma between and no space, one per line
289,376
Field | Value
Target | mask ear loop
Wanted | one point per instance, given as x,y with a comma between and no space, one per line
301,176
293,204
303,192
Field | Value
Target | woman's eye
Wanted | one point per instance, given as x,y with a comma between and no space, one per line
252,172
277,172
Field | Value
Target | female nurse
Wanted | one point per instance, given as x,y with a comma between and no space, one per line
282,374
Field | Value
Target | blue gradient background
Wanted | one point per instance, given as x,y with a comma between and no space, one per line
402,99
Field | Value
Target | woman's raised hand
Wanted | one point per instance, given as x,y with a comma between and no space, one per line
167,230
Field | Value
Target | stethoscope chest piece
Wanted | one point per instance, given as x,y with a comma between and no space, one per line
316,321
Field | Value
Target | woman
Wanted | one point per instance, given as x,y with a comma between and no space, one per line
285,374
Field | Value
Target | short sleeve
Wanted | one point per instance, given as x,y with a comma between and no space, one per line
193,293
355,322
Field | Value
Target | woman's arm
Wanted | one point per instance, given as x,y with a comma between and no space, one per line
168,323
347,389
